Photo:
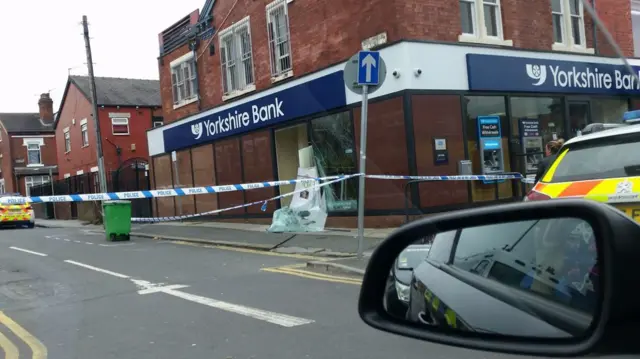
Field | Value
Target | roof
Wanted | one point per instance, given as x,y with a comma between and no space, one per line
607,133
113,91
24,122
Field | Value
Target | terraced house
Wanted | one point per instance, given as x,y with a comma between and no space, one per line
459,72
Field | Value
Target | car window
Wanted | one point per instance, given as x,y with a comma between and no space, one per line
604,159
552,258
441,246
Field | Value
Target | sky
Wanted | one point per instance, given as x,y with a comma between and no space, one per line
42,44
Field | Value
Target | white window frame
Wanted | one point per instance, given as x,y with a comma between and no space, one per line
30,181
67,140
123,121
184,88
158,124
567,43
84,133
31,142
232,63
279,49
479,27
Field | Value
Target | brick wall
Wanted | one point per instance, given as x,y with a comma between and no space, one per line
47,152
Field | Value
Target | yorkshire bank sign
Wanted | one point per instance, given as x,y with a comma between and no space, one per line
519,74
319,95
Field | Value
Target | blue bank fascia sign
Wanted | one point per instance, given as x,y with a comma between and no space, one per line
316,96
522,74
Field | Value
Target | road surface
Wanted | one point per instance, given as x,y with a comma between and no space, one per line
67,293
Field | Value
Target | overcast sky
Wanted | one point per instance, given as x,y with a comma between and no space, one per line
42,40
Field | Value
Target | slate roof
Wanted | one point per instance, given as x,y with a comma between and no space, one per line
113,91
24,122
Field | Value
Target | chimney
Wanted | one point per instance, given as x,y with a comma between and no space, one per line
46,108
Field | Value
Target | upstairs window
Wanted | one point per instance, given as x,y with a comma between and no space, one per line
34,155
120,126
481,21
279,44
568,25
183,80
84,133
67,140
236,59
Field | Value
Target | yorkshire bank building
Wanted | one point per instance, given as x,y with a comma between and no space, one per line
244,103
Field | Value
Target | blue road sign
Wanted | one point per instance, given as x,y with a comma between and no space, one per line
368,67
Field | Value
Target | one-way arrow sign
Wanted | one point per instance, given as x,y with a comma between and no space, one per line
368,69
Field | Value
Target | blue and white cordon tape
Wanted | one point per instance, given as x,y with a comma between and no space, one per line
177,192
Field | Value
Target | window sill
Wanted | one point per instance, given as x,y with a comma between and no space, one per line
85,146
67,152
282,76
237,93
35,165
567,48
121,134
184,102
484,40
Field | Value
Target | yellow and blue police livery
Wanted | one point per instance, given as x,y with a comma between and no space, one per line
15,210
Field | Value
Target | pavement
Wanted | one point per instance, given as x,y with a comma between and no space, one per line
332,243
67,293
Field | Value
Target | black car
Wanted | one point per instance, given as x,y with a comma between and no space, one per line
397,294
464,289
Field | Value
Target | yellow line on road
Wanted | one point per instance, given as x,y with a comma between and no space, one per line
254,251
10,350
37,348
313,275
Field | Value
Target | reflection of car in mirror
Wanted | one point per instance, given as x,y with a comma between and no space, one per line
397,294
529,278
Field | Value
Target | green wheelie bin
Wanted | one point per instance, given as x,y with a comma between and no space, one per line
117,220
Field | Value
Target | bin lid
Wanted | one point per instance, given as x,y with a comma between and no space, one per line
117,201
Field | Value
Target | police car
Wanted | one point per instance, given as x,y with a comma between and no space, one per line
16,211
603,166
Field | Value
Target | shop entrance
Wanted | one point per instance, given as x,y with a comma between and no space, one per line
579,116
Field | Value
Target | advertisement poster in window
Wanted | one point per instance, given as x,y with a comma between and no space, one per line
531,140
440,153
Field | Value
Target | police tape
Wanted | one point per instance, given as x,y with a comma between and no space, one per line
177,192
174,192
263,202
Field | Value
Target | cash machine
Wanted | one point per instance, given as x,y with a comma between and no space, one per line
490,145
532,144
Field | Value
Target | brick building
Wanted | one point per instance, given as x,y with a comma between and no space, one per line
27,148
127,109
246,85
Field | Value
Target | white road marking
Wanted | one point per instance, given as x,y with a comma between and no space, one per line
47,236
28,251
67,240
162,289
78,241
97,269
88,242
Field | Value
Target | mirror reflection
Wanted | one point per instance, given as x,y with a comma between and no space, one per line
530,279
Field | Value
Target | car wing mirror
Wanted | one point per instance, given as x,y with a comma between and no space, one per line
554,284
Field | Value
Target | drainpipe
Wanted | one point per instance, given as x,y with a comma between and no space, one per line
595,30
193,45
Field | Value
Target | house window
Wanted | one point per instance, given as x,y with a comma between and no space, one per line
120,126
85,135
67,140
31,181
279,44
236,59
157,124
481,21
183,80
568,25
33,154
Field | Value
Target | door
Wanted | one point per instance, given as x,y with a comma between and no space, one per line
579,116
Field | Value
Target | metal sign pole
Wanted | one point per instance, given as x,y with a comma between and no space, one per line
363,164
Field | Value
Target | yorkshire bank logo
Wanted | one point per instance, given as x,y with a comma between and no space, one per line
585,76
196,130
537,73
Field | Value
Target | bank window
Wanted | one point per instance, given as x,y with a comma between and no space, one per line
568,24
334,152
31,181
183,82
67,140
236,59
84,134
33,154
608,110
481,19
120,126
279,44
